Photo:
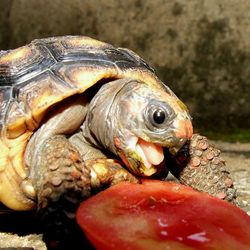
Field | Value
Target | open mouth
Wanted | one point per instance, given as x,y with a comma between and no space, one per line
148,153
151,154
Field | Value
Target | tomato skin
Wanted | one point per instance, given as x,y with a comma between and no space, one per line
162,215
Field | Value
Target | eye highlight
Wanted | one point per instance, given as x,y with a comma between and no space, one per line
158,115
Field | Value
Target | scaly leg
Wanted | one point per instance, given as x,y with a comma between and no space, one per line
62,180
199,165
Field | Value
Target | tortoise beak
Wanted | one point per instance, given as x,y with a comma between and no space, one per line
184,129
183,133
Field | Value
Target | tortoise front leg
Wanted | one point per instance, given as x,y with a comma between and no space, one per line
62,180
107,172
59,173
199,165
62,174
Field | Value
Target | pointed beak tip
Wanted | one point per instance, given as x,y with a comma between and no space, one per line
185,130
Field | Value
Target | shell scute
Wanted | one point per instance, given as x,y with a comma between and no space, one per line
24,63
74,48
84,74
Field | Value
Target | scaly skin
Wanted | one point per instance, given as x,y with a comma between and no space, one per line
199,165
63,180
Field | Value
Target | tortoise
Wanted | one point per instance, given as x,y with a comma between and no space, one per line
78,115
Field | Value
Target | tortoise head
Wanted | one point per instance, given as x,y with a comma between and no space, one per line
141,120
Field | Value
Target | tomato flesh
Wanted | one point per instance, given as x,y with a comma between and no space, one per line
162,215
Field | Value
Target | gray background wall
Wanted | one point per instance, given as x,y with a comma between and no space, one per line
200,48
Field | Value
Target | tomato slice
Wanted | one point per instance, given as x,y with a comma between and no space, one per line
162,215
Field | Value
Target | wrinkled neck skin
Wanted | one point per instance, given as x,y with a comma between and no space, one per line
118,120
102,122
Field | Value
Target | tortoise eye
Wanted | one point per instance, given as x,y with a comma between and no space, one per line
158,115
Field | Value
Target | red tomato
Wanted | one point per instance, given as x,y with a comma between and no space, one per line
162,215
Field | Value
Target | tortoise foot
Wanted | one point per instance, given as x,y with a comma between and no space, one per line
199,165
107,172
62,183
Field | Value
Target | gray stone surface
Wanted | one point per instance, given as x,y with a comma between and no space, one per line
15,242
201,48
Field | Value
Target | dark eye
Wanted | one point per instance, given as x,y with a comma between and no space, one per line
159,116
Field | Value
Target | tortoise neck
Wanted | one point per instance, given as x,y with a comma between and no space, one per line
100,126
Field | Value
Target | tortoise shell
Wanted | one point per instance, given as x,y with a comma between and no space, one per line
35,77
